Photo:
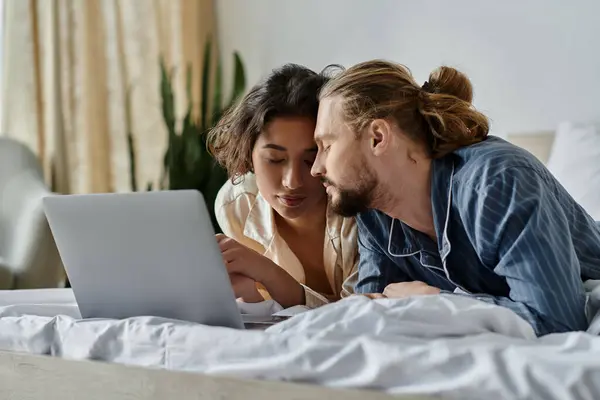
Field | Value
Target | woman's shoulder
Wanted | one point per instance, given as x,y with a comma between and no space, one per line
231,192
235,200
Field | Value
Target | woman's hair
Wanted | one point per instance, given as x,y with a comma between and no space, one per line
438,114
289,91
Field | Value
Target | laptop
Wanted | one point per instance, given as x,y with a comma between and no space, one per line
145,254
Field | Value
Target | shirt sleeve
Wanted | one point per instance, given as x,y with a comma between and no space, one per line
225,215
350,282
517,217
375,269
313,299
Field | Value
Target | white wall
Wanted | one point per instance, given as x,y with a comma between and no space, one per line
533,62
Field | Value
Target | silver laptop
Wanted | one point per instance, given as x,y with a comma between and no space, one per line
144,254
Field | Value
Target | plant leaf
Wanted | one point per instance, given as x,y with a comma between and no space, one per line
132,166
168,107
130,142
239,79
205,85
188,86
187,120
217,103
168,103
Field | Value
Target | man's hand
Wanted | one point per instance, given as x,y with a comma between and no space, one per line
407,289
403,289
373,296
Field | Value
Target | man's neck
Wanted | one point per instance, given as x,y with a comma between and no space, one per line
414,210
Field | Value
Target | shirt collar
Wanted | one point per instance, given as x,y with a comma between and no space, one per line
442,180
442,177
260,224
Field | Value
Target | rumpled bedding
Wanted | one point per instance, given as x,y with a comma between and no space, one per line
451,346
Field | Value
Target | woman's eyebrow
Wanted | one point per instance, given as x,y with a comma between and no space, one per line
274,147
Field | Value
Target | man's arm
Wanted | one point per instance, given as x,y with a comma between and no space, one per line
517,215
375,269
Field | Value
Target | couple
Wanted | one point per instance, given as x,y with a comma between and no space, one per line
440,206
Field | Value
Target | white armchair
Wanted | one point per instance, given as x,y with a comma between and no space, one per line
28,254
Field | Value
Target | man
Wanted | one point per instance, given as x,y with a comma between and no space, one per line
442,207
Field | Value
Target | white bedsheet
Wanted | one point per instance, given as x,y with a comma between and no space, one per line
439,345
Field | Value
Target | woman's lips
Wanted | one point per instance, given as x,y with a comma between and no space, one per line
291,201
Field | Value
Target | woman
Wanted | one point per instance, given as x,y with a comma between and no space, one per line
279,231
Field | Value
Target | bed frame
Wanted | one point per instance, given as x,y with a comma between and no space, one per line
26,376
538,143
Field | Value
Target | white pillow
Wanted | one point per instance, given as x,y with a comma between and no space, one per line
575,162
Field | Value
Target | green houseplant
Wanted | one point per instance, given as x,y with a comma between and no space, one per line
187,163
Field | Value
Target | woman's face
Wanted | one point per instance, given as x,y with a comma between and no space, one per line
282,159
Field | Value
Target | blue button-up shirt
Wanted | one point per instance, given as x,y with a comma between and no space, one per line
507,233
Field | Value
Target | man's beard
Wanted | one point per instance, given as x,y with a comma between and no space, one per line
351,202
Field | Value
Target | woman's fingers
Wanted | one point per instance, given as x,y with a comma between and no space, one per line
230,254
232,258
226,242
221,239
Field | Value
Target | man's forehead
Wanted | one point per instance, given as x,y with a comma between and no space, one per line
328,118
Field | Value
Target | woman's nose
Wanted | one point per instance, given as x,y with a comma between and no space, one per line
292,179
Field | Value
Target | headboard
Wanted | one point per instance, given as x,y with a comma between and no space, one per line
538,143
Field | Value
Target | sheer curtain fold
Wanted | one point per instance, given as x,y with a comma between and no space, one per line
78,74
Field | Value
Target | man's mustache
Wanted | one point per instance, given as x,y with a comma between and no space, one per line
327,181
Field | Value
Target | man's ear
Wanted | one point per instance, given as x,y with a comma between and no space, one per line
379,131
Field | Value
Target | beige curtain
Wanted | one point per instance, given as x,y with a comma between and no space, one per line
74,70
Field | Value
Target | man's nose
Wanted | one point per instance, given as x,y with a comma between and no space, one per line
318,168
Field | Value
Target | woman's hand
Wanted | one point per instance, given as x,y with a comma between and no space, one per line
245,288
240,260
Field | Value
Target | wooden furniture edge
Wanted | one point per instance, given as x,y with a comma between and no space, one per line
538,143
26,376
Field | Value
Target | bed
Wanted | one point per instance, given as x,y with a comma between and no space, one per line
422,348
25,377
